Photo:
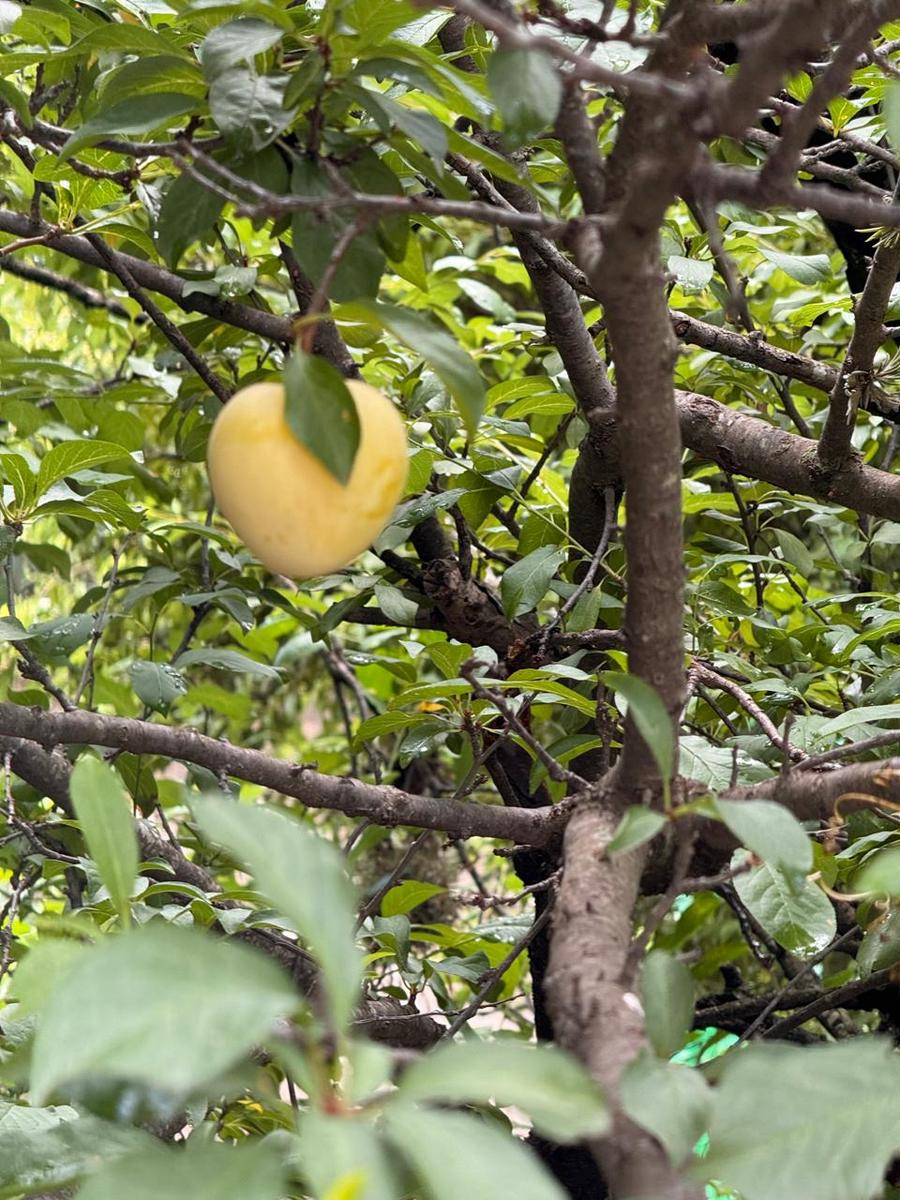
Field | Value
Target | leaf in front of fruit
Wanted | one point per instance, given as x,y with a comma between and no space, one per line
321,413
450,363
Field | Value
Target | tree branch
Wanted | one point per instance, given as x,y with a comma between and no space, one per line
746,445
855,375
387,805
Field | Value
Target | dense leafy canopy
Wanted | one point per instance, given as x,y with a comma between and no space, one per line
249,826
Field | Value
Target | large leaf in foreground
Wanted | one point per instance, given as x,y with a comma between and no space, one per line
165,1006
304,877
555,1090
813,1121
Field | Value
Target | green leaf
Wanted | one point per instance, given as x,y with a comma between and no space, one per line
248,106
528,90
236,42
418,510
794,551
854,717
17,473
21,1118
334,1148
169,1007
525,583
55,640
448,1152
880,947
107,823
321,412
638,825
672,1101
880,873
650,717
372,175
138,114
810,269
450,363
188,211
42,969
667,992
56,1150
770,831
801,919
383,723
692,274
196,1172
775,1121
395,605
227,660
890,105
157,684
551,1086
315,236
408,895
12,630
305,877
69,457
421,127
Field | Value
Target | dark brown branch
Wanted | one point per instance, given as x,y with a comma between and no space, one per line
746,445
811,795
388,805
855,375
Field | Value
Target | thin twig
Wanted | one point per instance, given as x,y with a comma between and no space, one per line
118,267
87,673
492,977
711,678
371,905
556,772
587,584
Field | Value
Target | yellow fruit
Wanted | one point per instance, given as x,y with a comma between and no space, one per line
282,502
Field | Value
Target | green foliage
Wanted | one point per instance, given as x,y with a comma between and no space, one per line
129,1009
